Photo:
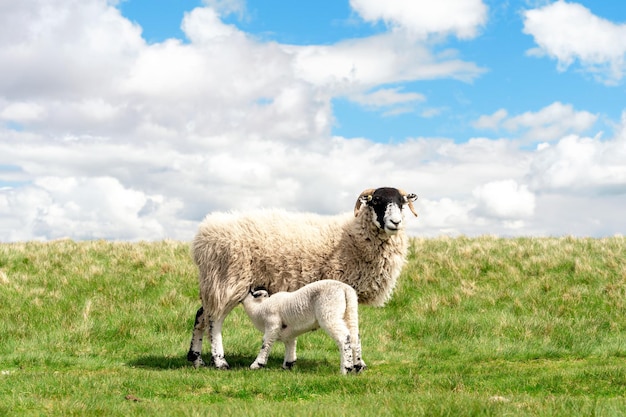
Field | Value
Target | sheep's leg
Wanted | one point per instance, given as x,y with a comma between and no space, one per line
217,348
195,349
290,353
268,340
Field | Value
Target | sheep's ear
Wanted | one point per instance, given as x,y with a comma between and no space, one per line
409,199
364,198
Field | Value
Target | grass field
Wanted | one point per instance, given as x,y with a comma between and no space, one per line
480,326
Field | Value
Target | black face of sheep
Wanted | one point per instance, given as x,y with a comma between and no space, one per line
386,204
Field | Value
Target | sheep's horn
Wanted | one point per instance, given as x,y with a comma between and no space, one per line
409,201
357,206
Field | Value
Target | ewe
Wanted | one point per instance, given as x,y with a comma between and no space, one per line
284,251
329,304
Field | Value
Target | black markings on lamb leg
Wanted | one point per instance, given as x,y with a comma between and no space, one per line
289,365
216,358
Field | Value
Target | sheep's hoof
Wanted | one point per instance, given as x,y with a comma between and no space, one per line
195,359
288,365
198,363
256,365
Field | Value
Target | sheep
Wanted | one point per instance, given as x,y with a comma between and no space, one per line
284,251
329,304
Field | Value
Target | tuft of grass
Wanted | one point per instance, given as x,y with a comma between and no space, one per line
476,326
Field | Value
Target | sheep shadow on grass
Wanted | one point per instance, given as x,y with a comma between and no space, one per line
236,362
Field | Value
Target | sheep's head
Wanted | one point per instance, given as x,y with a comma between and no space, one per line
385,205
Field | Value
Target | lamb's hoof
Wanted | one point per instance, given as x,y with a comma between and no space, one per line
288,365
224,366
220,363
359,368
256,365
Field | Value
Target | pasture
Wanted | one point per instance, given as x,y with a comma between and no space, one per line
476,327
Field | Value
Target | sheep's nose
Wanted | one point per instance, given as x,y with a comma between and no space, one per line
395,222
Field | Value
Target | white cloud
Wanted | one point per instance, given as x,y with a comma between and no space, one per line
581,165
86,208
203,25
422,17
505,199
359,64
22,112
569,32
550,123
122,139
491,121
63,49
386,97
227,7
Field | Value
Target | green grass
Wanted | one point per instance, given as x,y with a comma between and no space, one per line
481,327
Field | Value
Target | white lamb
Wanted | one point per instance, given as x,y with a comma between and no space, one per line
284,251
331,305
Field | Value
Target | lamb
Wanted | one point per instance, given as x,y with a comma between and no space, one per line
284,251
329,304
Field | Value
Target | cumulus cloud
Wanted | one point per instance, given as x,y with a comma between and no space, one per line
105,136
581,165
462,18
382,59
505,199
570,32
84,208
550,123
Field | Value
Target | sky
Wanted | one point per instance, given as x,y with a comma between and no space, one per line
133,119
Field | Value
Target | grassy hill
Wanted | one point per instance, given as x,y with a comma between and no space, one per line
480,326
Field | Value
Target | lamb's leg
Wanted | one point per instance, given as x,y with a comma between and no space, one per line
359,364
195,349
352,322
341,335
269,338
347,360
290,353
217,348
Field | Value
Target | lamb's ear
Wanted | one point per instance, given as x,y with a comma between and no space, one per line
260,293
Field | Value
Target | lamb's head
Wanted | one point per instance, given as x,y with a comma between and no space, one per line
255,297
385,207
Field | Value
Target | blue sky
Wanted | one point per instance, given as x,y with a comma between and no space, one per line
511,79
132,119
